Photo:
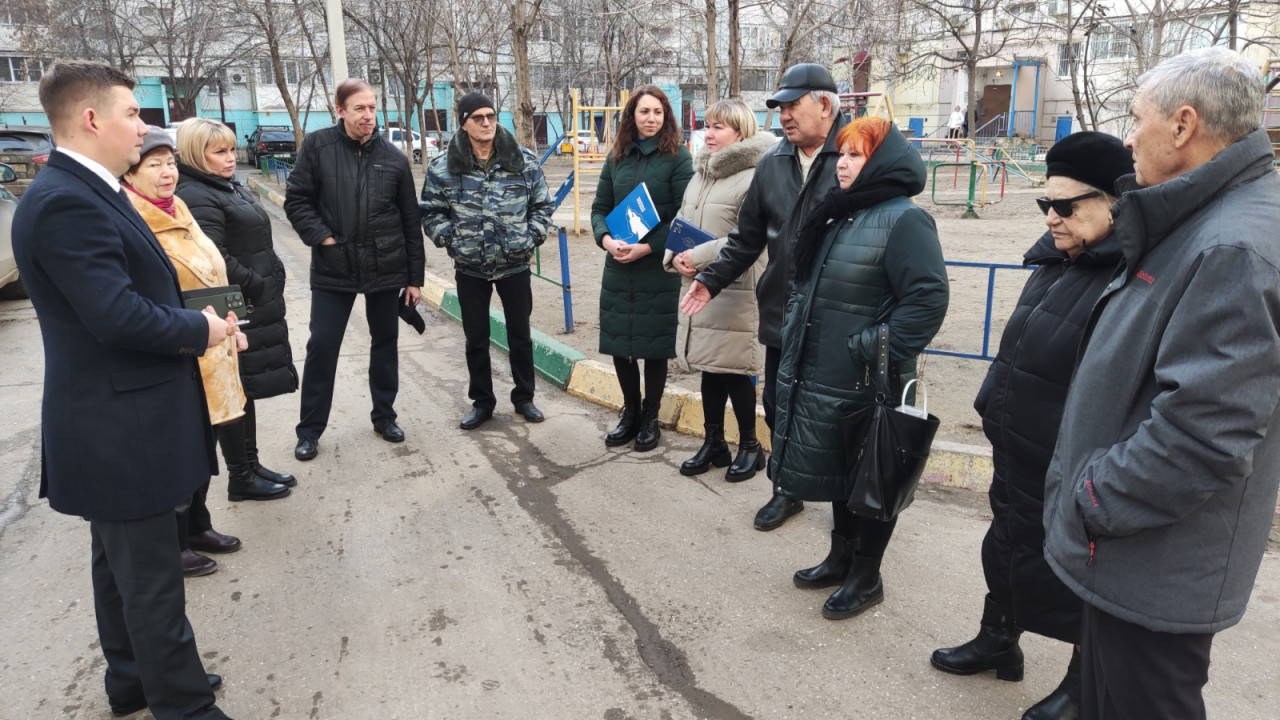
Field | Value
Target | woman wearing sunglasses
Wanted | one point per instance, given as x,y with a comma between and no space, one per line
1021,404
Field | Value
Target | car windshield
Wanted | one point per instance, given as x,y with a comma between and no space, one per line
277,137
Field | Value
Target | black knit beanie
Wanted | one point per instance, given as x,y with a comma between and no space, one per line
472,102
1093,158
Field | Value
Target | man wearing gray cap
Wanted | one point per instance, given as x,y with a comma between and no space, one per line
791,178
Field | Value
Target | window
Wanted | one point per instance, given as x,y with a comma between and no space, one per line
1113,42
757,80
18,69
1065,61
1195,33
293,71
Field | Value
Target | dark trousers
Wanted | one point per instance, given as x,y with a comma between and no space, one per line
140,605
872,535
772,356
719,388
1132,673
329,314
195,519
517,306
628,372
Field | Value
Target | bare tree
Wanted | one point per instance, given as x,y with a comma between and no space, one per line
402,33
273,25
973,30
524,18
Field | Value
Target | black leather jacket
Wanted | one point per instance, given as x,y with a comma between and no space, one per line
364,197
772,213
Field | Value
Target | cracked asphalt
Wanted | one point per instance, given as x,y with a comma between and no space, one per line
523,571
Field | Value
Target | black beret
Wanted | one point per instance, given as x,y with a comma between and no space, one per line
1093,158
470,103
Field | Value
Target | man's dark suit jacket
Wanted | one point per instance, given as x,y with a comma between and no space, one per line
124,426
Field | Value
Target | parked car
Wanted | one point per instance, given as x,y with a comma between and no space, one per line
270,140
442,138
39,137
397,137
11,287
585,140
20,156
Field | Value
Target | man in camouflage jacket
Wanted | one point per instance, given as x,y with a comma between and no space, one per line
485,202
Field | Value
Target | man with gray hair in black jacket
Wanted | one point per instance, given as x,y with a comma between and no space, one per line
1162,489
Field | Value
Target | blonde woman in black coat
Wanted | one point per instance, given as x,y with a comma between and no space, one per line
231,217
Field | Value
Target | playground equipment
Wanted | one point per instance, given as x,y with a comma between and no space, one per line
867,104
590,158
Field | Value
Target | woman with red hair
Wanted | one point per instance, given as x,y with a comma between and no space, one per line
866,256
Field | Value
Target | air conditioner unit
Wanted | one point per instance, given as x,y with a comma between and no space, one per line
237,79
1058,7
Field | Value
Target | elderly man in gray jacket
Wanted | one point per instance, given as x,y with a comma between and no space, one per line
1162,489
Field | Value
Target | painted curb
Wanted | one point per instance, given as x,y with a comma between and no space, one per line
950,464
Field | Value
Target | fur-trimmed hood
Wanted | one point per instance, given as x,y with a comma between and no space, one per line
731,160
505,148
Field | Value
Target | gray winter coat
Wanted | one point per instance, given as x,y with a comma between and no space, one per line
721,338
1162,488
772,212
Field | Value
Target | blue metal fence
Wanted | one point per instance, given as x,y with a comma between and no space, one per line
277,170
563,240
991,269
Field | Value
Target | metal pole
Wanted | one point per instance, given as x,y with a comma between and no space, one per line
337,40
1013,99
564,280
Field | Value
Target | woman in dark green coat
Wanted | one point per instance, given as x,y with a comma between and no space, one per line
867,255
638,298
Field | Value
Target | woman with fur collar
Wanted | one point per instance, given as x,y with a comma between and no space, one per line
721,341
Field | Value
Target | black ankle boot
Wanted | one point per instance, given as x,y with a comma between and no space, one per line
270,475
1064,702
647,438
995,648
860,591
750,459
832,570
714,451
243,484
628,426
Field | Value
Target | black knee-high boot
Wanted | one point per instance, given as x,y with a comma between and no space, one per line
251,448
242,483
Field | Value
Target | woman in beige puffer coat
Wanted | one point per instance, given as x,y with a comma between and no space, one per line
721,341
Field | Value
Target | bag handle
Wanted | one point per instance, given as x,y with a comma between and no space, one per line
882,363
922,392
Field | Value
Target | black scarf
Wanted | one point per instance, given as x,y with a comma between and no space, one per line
837,205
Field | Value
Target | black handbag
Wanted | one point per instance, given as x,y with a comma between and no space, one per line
886,447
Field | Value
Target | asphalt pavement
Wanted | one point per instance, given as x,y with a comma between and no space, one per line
523,571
